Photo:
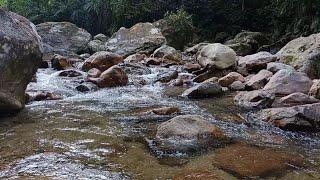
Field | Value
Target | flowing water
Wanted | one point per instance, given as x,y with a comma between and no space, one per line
108,134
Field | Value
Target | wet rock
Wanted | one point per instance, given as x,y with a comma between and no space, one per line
259,80
248,162
86,87
20,57
296,118
94,72
255,62
135,58
168,53
153,61
315,89
96,46
102,60
203,90
187,133
166,111
303,54
167,76
44,64
230,78
254,99
63,37
217,56
286,82
212,80
192,67
113,77
70,73
45,96
85,56
237,86
296,99
276,66
101,37
135,69
142,37
59,62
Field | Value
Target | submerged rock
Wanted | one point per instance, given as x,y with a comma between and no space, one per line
142,37
187,133
296,118
63,37
286,82
20,56
217,56
166,111
251,162
254,99
203,90
102,60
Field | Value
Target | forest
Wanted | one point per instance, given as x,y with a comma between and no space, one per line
208,18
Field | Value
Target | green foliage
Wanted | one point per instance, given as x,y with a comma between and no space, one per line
210,17
180,27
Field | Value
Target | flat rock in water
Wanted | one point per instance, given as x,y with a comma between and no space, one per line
204,90
189,132
254,99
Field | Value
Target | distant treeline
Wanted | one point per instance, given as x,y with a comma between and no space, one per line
279,18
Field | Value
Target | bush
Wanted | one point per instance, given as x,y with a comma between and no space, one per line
180,30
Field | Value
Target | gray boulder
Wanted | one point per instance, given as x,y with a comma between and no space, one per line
20,56
142,37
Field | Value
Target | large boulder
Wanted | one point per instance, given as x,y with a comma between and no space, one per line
102,60
142,37
113,77
303,54
286,82
63,38
296,118
217,56
20,56
187,133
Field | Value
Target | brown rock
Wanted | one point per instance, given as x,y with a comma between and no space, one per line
230,78
296,99
255,62
197,175
135,58
113,77
166,111
259,80
59,62
254,99
192,67
102,60
153,61
94,72
245,161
